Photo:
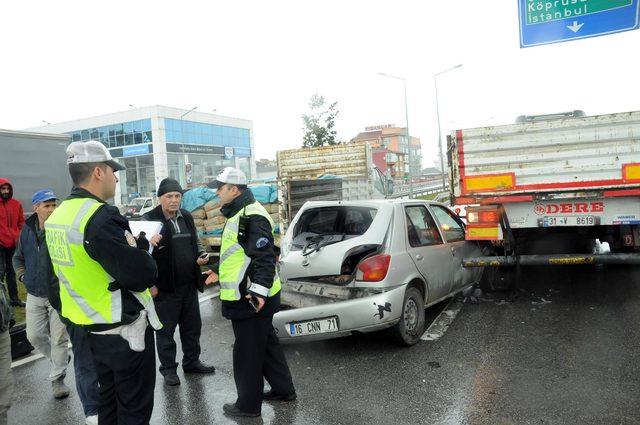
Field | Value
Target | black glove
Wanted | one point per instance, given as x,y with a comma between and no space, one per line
142,242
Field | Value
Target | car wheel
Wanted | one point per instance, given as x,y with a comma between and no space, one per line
411,325
496,279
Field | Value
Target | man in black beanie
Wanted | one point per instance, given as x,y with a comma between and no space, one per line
179,255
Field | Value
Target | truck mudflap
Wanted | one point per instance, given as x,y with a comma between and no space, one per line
552,260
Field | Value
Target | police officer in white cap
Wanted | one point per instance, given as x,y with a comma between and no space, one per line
104,282
250,295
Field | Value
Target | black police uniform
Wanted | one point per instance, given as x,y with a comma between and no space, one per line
257,354
127,378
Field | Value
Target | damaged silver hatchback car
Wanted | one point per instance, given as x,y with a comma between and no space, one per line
363,266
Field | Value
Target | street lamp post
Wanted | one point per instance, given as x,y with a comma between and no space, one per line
186,156
406,115
189,111
435,83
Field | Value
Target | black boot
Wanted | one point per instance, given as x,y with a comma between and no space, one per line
231,409
198,367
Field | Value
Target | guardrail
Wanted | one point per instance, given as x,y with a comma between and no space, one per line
418,189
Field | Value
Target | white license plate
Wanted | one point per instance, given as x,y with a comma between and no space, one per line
312,327
574,220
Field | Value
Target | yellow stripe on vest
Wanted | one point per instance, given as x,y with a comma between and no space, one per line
233,260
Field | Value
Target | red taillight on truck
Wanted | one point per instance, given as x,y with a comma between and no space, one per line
374,269
489,216
483,223
483,215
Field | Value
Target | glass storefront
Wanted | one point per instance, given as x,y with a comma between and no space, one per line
244,165
197,133
204,168
116,135
138,179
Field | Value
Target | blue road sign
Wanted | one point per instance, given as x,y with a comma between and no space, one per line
553,21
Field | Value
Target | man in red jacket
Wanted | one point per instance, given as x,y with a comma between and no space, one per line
11,222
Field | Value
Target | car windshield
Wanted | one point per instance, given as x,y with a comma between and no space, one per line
137,202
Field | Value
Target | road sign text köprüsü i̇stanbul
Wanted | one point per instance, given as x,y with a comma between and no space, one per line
540,11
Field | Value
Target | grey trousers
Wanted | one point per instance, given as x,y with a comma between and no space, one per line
48,334
6,378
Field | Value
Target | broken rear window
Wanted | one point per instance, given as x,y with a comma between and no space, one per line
338,220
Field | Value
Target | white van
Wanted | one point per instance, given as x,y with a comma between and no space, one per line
140,206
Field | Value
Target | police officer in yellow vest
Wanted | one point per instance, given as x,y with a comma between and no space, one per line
250,295
103,285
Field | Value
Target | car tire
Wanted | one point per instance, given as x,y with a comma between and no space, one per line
411,325
496,279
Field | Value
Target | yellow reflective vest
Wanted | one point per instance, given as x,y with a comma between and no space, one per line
233,260
84,285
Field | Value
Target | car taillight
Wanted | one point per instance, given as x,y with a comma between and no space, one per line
374,269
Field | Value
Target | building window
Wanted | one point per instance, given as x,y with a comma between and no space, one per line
204,167
116,135
138,179
245,165
197,133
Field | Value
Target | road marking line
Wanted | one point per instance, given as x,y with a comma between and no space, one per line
26,360
33,357
443,321
208,297
38,356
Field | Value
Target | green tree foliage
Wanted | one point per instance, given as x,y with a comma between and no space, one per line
319,124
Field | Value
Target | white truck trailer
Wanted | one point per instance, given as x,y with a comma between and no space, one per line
546,189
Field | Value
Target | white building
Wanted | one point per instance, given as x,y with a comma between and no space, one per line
155,142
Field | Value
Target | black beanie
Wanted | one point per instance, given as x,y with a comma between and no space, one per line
168,185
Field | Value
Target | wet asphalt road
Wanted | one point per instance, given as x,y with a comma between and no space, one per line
563,348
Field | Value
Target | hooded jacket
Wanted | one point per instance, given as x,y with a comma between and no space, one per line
11,218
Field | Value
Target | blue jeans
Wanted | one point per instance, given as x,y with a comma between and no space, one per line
86,375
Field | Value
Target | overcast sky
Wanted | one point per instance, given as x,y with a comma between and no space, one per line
262,60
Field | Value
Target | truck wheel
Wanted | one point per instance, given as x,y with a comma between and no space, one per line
411,325
496,279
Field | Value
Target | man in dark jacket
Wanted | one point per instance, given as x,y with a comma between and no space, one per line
45,331
250,295
11,222
179,255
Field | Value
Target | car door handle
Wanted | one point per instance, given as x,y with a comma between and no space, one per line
419,257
